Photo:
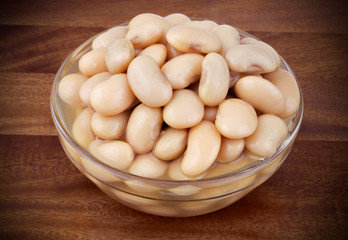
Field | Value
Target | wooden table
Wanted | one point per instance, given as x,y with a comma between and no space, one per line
43,196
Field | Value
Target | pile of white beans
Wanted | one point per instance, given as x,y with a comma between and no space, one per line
167,97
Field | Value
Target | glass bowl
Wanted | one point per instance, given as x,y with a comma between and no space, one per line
167,197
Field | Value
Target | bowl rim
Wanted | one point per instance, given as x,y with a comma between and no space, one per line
56,114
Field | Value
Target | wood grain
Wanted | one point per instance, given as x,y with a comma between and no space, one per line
43,196
305,198
25,104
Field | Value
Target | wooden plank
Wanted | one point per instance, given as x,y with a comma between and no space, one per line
39,49
256,15
43,196
25,104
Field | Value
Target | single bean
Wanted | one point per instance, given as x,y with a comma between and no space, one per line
143,128
145,34
192,39
81,129
93,62
228,37
161,22
230,149
109,127
105,39
184,110
69,87
183,70
118,56
236,119
251,58
287,85
116,154
215,79
261,94
86,88
147,165
254,41
148,83
202,149
271,131
157,51
112,96
170,144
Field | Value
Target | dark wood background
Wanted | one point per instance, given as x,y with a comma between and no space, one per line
43,196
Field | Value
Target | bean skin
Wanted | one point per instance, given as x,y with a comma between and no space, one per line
143,128
202,149
192,39
112,96
179,114
148,83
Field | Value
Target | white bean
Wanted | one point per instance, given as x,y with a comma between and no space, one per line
184,110
215,79
144,34
117,154
147,165
81,129
148,82
192,39
228,37
287,85
118,56
183,70
202,149
251,58
157,51
112,96
143,128
109,127
236,119
230,149
69,87
93,62
86,88
254,41
261,94
271,131
170,144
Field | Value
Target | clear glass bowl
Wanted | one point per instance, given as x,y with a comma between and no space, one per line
165,197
